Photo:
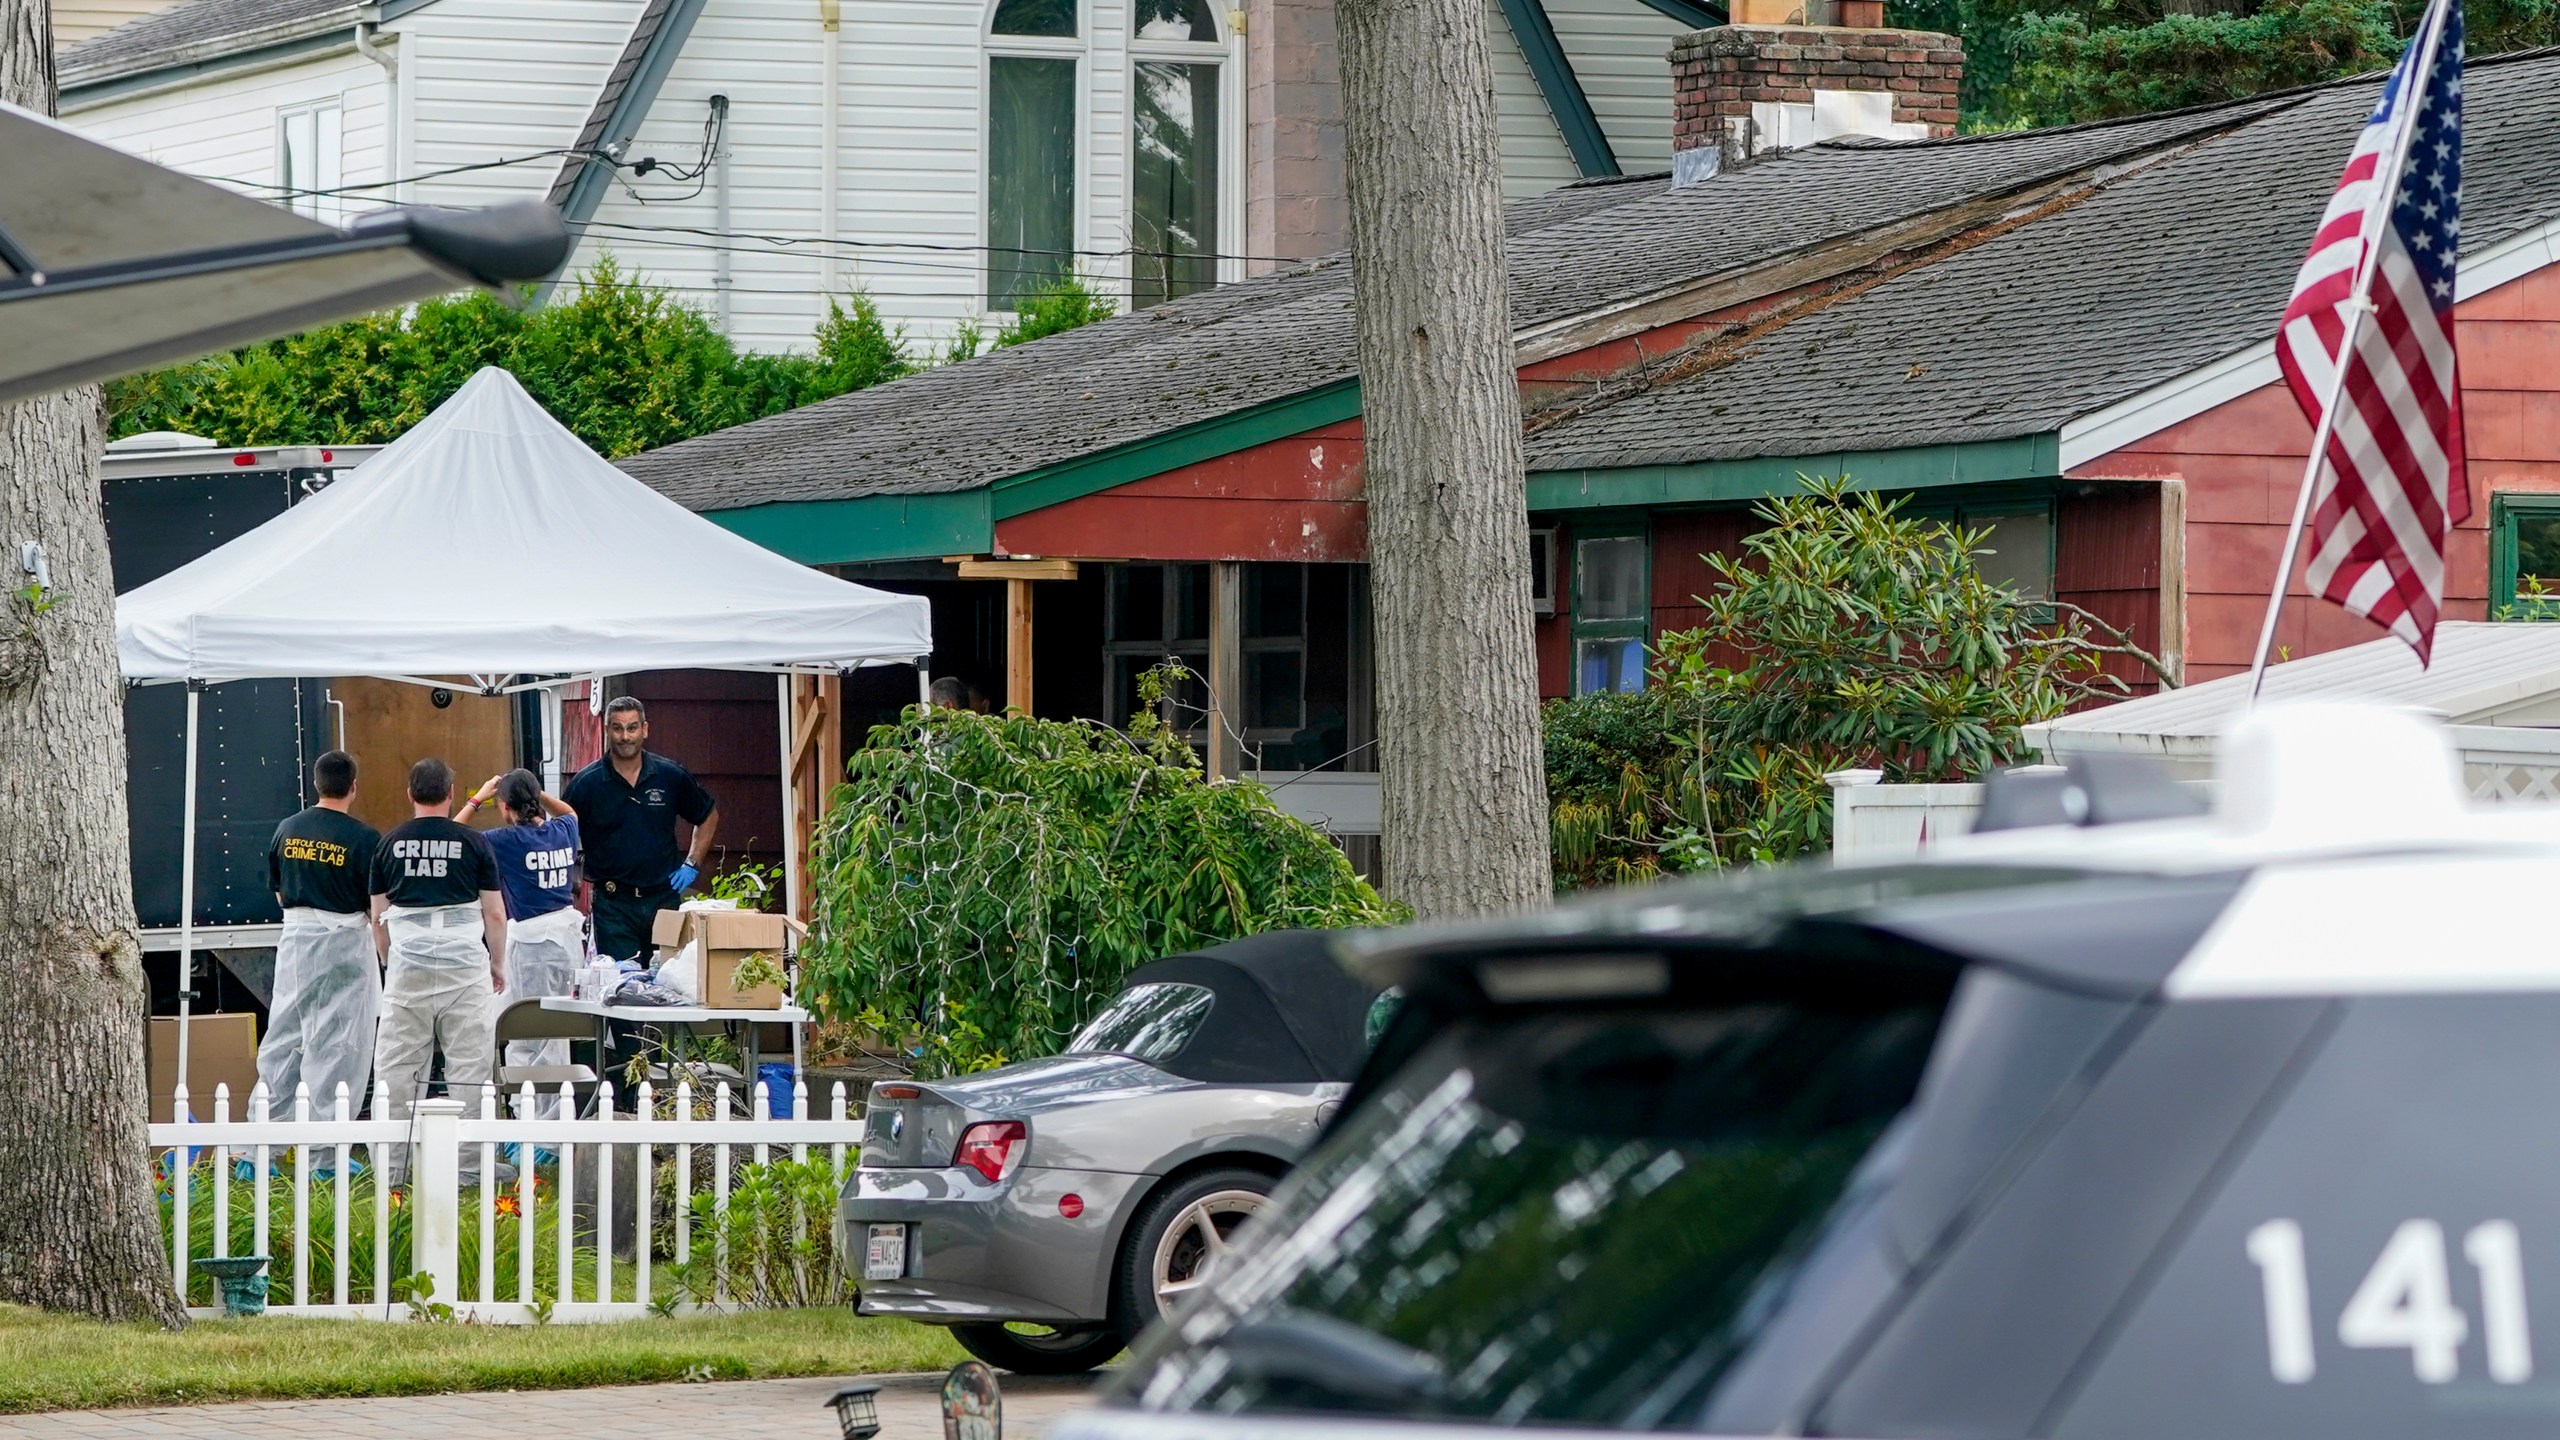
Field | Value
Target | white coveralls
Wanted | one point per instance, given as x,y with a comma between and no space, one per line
328,990
543,956
436,995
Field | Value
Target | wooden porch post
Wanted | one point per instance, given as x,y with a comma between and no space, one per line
2173,576
1226,668
1017,644
1018,575
815,727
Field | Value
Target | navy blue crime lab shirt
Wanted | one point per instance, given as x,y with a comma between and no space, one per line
630,829
537,865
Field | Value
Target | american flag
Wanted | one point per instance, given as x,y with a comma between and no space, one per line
2394,483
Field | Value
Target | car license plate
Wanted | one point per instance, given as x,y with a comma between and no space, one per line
885,1257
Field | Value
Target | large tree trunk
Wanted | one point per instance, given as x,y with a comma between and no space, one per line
1464,776
79,1222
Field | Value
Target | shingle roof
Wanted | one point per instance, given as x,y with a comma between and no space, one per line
1223,350
2162,271
195,30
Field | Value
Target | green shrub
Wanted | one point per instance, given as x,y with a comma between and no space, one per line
362,1239
1056,305
1621,773
982,883
2072,69
627,366
1848,635
773,1247
2052,61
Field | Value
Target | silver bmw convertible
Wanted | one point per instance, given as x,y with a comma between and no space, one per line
1047,1211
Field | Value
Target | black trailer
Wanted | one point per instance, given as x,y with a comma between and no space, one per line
169,499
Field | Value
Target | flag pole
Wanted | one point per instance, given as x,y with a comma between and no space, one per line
2359,305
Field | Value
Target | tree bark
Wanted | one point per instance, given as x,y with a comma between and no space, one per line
79,1217
1463,770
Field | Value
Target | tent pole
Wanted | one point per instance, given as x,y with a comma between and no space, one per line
187,888
554,736
790,803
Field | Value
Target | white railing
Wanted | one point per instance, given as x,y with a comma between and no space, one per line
552,1221
1871,821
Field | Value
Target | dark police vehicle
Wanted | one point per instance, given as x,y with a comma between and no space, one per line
2234,1126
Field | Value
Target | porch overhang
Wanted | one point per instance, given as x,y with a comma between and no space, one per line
862,529
871,528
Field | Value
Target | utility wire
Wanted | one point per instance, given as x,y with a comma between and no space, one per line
783,242
299,192
933,245
652,236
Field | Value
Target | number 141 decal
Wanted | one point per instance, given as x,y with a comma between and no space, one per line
2405,1301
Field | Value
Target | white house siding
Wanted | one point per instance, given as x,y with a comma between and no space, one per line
765,56
1103,183
910,147
1619,50
488,80
225,127
1534,157
910,184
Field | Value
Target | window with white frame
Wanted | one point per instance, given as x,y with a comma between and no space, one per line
309,146
1175,140
1033,48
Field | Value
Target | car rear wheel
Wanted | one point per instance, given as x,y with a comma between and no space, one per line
1183,1232
1038,1350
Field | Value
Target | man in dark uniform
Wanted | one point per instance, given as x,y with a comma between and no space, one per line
628,803
328,976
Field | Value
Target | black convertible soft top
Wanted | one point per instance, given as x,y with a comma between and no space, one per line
1286,1011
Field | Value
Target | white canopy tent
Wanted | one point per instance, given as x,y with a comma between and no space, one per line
492,543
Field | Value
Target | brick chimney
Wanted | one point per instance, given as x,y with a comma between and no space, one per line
1798,72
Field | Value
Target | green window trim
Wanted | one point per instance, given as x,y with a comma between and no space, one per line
1585,628
1974,507
2506,512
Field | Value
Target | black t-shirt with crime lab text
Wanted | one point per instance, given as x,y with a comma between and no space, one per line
434,861
630,830
322,859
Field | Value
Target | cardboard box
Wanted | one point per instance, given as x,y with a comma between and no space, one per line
728,937
221,1050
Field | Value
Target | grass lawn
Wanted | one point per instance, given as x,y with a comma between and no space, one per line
48,1362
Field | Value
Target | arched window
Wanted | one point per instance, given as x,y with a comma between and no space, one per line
1032,51
1175,147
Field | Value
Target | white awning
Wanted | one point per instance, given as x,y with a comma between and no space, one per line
2485,674
110,264
489,541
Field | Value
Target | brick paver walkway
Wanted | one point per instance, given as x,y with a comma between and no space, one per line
729,1410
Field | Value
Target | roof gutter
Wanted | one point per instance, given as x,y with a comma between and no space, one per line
237,55
1709,482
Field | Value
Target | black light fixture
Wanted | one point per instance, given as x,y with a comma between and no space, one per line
857,1410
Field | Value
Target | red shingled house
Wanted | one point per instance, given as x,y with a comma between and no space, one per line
2062,334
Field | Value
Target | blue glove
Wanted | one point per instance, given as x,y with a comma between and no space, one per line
683,879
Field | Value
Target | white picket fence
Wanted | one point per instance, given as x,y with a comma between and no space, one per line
436,1136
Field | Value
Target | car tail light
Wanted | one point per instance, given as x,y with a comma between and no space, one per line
992,1148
